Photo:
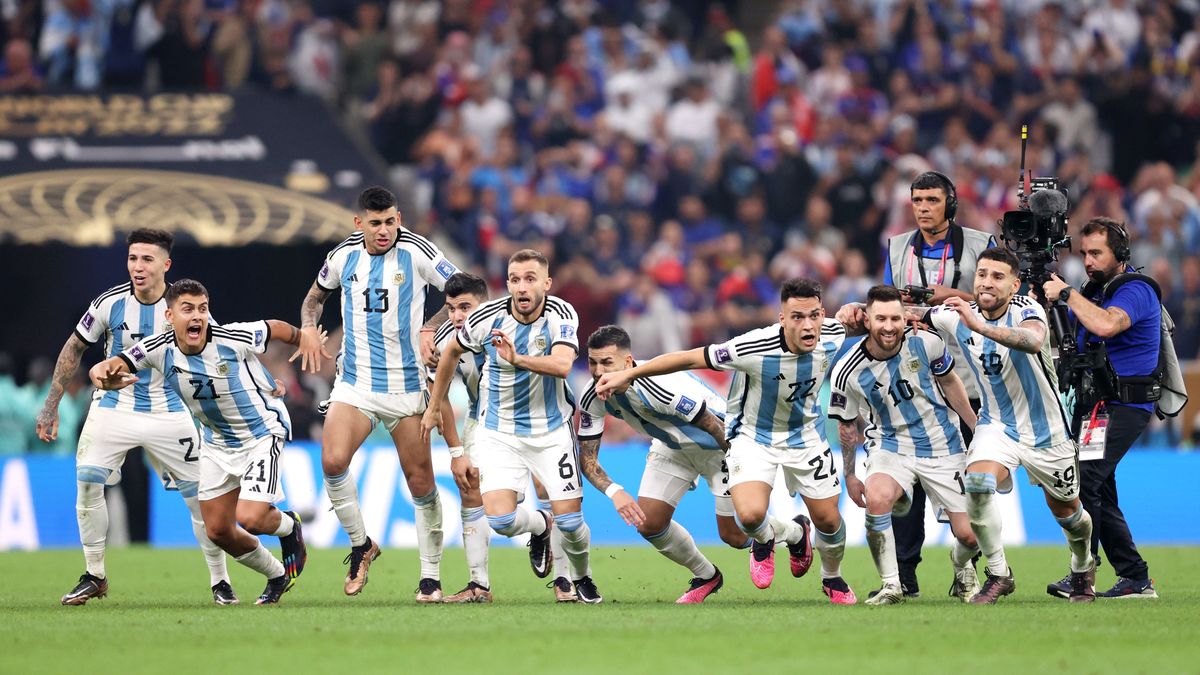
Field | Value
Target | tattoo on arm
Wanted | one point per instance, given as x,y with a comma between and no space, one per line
64,369
711,425
293,335
1120,318
589,463
848,435
1021,339
437,319
314,304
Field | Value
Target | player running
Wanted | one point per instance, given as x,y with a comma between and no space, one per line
529,341
901,380
214,370
776,424
148,415
685,419
382,272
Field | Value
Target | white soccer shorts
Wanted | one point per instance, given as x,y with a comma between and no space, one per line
942,477
385,409
670,473
808,472
170,440
1055,469
255,468
505,462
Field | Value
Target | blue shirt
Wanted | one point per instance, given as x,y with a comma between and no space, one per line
1133,352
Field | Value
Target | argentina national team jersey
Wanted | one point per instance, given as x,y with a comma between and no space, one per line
905,409
225,386
470,365
121,320
662,407
383,308
773,396
1018,390
517,401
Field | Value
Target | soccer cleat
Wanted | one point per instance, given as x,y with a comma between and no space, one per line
838,590
1083,585
539,549
888,594
474,592
88,587
586,591
360,560
295,553
701,589
1126,589
994,588
801,555
223,594
429,590
965,584
275,589
1060,588
563,590
762,563
908,580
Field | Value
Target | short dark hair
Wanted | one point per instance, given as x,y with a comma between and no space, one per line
799,288
1111,229
883,293
931,180
1003,255
376,199
527,254
460,283
147,235
609,336
184,287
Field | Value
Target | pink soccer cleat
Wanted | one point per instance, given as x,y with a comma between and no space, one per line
701,589
801,555
762,563
839,591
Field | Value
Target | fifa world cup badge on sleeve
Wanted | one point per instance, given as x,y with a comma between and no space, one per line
88,320
137,353
258,338
685,405
837,400
723,355
1028,313
446,269
585,421
325,271
567,331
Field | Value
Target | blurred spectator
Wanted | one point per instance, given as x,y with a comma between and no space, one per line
18,73
364,47
693,118
1183,303
73,41
650,317
484,115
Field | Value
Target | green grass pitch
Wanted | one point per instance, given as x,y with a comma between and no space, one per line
158,618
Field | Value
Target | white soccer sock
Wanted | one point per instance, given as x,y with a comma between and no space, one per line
429,533
832,547
343,494
960,555
987,525
286,525
677,545
558,557
576,542
92,514
213,555
476,539
881,538
763,534
262,561
1078,528
786,531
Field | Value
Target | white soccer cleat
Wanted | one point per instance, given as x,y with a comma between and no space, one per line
966,583
888,594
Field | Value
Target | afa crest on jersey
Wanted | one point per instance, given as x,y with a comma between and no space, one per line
399,277
223,368
540,342
914,365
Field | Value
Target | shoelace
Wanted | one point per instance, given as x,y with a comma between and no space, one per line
761,551
565,586
354,559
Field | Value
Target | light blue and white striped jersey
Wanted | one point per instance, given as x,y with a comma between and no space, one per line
226,387
773,396
662,407
905,409
121,319
383,308
1018,390
516,401
470,366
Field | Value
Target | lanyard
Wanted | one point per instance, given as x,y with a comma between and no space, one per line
920,265
1087,438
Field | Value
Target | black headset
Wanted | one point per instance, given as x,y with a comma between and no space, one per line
951,193
1121,248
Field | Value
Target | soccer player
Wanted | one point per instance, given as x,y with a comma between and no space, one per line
529,341
1021,423
148,415
902,381
776,424
382,272
215,371
685,419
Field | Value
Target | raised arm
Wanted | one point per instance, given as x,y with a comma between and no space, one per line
673,362
284,332
556,364
713,426
589,463
848,436
956,396
1026,337
64,370
311,348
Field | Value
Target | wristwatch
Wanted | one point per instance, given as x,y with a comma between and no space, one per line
1065,294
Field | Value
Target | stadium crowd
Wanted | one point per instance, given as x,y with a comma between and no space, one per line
675,168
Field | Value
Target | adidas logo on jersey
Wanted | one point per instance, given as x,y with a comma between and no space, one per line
780,377
255,489
354,278
569,486
123,326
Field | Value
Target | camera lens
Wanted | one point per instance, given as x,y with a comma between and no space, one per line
1019,226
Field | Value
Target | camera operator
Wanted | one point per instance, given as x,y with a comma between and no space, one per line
940,256
1127,321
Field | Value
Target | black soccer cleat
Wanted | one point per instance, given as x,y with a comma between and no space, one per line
223,594
275,589
1060,588
539,549
88,587
295,553
429,590
586,591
